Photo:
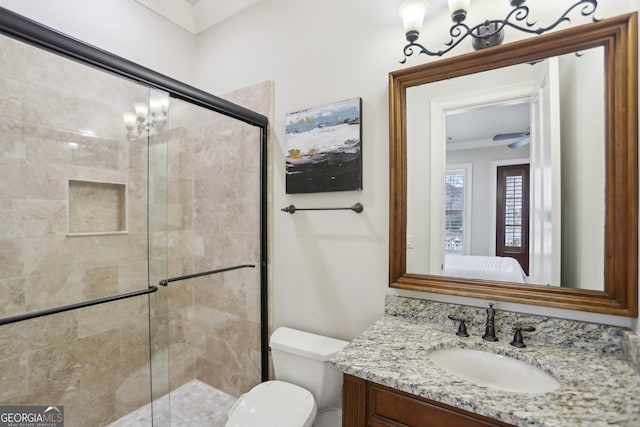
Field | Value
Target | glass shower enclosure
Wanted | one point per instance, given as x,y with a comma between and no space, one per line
133,282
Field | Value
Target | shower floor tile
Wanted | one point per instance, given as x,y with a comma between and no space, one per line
194,404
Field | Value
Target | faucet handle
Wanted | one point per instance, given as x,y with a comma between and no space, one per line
517,337
462,329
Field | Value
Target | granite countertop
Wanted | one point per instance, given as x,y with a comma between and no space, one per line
598,388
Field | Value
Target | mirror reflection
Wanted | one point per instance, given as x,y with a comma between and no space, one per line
506,174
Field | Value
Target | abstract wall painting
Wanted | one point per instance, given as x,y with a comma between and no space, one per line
324,148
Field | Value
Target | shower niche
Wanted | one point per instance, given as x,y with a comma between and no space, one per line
95,208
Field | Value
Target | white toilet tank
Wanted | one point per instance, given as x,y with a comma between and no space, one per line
302,358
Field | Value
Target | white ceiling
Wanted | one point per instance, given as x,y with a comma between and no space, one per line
476,127
196,16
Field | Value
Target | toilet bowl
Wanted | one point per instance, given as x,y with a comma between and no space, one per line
306,391
274,403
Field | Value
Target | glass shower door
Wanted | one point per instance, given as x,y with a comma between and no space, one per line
209,199
111,190
74,234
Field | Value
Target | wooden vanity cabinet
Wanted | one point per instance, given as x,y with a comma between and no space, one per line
367,404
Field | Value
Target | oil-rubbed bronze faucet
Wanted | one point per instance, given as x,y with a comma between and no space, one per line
517,337
462,329
490,330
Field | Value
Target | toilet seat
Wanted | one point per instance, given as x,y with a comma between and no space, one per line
274,404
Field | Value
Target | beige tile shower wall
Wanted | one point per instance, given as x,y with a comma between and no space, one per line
59,121
226,223
212,217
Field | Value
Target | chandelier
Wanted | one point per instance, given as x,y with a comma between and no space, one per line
486,34
147,116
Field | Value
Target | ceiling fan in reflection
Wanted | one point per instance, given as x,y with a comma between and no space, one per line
524,138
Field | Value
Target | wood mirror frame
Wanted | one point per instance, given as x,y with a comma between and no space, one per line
619,36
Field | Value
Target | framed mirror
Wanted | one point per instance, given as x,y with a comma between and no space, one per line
514,171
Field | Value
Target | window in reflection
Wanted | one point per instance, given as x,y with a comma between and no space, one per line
457,214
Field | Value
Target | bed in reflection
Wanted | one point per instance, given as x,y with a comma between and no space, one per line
497,268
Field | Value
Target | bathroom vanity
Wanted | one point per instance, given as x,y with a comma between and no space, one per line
366,403
390,379
390,375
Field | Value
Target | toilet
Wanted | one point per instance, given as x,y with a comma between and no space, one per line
306,391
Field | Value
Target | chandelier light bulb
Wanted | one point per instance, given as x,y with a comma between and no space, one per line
412,13
155,105
142,110
459,9
164,104
130,120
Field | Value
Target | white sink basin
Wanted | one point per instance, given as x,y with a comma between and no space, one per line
493,370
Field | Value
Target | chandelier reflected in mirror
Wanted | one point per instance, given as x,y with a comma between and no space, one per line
147,116
486,34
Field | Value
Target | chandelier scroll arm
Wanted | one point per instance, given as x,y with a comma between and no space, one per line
409,49
457,36
588,9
